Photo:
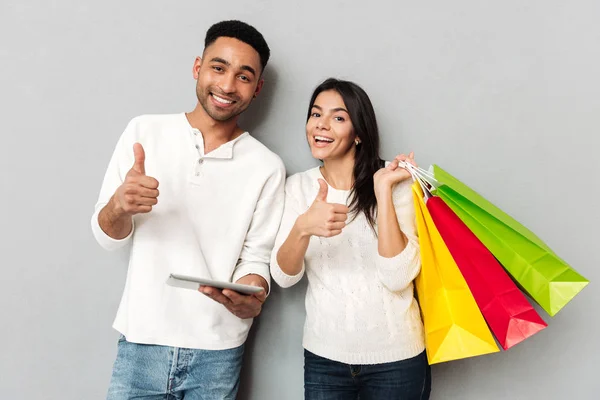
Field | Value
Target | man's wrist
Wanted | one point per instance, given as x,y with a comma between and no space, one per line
263,283
115,210
254,278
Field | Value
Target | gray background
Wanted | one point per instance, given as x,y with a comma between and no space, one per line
506,95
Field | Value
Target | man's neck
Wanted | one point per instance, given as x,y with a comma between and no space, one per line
215,133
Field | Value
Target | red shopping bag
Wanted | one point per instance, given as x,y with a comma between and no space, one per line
509,315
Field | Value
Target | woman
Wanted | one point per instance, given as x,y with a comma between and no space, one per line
350,225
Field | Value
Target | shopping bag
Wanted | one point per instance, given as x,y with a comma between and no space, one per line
546,278
509,315
454,326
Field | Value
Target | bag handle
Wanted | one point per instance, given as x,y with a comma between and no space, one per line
423,177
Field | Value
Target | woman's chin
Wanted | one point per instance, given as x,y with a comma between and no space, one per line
319,154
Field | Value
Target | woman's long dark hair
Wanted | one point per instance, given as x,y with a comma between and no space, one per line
367,160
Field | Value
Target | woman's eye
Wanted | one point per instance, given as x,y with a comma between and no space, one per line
340,119
316,115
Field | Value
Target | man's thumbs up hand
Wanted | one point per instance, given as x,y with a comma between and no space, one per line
138,193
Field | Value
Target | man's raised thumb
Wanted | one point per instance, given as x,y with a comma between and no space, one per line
140,158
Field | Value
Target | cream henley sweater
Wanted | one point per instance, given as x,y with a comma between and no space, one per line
217,217
360,307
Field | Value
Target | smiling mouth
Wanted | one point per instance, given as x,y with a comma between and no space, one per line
323,139
222,100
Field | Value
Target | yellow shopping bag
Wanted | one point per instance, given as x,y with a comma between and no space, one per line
454,326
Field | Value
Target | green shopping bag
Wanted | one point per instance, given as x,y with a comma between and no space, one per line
549,280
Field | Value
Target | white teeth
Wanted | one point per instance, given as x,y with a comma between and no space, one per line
221,100
323,139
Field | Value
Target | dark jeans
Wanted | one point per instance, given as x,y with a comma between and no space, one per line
325,379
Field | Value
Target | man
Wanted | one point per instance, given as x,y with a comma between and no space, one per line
214,215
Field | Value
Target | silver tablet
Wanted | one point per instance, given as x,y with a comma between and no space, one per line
192,282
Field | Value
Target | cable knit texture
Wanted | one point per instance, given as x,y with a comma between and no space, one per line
360,307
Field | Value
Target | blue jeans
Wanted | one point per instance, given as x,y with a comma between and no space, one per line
325,379
160,372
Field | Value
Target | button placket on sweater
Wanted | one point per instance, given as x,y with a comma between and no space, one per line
200,149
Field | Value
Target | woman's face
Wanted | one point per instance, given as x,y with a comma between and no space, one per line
329,131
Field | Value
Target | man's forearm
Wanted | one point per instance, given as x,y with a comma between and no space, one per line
114,222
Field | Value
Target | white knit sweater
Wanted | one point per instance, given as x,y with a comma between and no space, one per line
360,307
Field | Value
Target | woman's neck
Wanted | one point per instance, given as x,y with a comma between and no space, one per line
339,173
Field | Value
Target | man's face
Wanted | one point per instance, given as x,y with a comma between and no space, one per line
228,78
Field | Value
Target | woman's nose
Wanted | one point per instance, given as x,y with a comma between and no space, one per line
322,124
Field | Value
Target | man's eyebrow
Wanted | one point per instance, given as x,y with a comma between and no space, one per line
220,60
248,68
243,67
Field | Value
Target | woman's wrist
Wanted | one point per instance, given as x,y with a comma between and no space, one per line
383,194
299,229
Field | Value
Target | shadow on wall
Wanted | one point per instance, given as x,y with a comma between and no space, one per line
275,344
258,111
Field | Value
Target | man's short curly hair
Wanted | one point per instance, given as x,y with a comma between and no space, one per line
240,31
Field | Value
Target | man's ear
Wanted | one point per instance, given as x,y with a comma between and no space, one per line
259,87
196,67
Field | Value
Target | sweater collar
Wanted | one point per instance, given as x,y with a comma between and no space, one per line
224,151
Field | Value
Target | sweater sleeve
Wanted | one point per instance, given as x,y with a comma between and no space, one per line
120,163
291,211
256,251
397,272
